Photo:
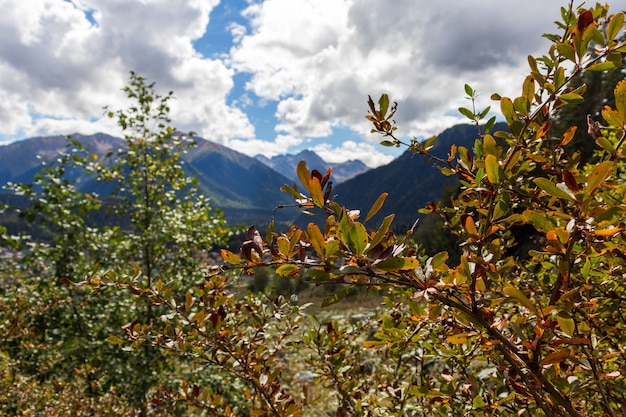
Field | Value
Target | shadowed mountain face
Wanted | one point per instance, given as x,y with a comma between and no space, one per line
248,190
244,188
411,180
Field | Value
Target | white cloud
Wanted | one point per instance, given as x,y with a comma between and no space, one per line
59,70
351,150
253,147
315,60
322,58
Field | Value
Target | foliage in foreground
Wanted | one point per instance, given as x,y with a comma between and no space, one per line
53,332
478,334
542,336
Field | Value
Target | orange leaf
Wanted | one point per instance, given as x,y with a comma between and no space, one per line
608,232
556,357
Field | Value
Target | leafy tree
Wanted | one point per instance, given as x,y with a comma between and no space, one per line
598,84
474,333
538,338
171,227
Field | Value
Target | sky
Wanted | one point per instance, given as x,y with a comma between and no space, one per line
265,76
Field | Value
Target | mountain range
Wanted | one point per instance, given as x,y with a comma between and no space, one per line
248,189
286,165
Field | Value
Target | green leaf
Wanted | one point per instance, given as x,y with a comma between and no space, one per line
420,391
566,323
538,219
612,117
528,88
332,246
428,143
438,260
512,119
376,206
397,264
490,124
114,340
293,192
605,144
382,231
383,102
478,402
467,113
620,98
604,66
615,26
357,238
287,270
447,171
519,296
598,175
469,91
489,145
571,98
493,169
282,243
319,275
457,339
522,105
270,231
567,51
466,157
508,110
550,188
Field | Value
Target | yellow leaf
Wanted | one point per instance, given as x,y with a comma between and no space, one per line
376,206
470,227
620,98
493,169
230,257
457,339
188,301
199,317
397,264
519,296
608,232
287,270
598,175
566,323
316,238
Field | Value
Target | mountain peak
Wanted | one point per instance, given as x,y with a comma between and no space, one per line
286,165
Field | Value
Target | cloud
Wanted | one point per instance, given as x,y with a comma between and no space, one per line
314,61
61,62
253,147
351,150
320,59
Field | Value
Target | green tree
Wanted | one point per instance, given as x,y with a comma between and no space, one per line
167,227
172,223
475,333
598,85
540,337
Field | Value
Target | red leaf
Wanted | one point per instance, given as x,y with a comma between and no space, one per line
570,181
326,177
584,20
